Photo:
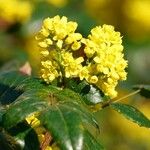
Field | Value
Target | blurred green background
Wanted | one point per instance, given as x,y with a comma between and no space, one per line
21,19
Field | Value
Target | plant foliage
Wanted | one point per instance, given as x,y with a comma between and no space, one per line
62,112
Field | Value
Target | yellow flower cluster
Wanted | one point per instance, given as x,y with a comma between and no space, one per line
15,10
58,42
104,53
65,54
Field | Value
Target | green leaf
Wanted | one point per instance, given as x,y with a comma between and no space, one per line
24,96
67,123
68,95
132,114
18,111
90,143
73,100
2,111
144,90
28,137
64,129
62,112
9,87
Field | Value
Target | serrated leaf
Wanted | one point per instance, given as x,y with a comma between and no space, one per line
132,114
34,97
68,95
76,103
68,132
93,144
144,90
21,109
62,112
66,122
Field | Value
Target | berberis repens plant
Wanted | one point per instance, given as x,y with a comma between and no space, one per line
77,77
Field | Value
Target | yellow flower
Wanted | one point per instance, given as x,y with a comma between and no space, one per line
59,44
49,71
76,46
99,61
58,28
108,65
15,10
71,65
84,73
93,79
33,121
91,48
73,38
58,41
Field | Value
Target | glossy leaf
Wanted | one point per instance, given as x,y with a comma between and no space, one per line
11,87
132,114
25,96
62,112
144,90
75,102
90,143
67,124
18,111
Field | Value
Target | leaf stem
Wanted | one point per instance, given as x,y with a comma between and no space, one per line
120,99
47,140
126,96
59,61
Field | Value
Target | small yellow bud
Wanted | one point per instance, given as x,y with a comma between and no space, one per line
47,23
44,32
76,46
45,53
49,41
43,44
93,79
59,44
72,26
